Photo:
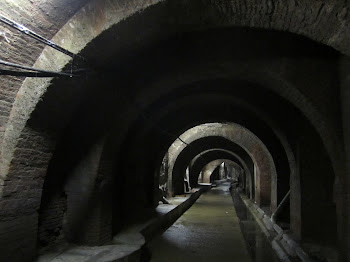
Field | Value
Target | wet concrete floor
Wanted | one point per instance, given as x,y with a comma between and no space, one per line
208,231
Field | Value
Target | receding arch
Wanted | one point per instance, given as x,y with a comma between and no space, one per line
202,145
204,157
115,12
20,137
266,177
211,166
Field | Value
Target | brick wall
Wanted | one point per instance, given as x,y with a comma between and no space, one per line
44,18
18,238
22,196
89,202
51,217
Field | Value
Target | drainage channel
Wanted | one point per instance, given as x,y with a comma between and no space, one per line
258,246
212,230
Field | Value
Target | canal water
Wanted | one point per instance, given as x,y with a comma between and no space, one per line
213,229
258,247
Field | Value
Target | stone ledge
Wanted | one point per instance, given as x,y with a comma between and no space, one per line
284,246
127,245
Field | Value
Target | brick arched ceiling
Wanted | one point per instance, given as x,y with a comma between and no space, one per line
211,166
198,163
157,68
212,147
106,22
161,120
209,145
263,162
207,156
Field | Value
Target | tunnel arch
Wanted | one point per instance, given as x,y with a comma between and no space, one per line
207,143
203,145
49,142
262,79
265,175
214,152
23,108
230,109
208,170
19,127
247,180
211,166
199,161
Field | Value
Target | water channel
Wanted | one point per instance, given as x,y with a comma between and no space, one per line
218,227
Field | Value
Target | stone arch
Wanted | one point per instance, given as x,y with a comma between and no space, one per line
211,166
206,145
201,145
33,90
239,110
266,192
208,170
113,13
199,162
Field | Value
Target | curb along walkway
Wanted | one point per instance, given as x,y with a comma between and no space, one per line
127,245
208,231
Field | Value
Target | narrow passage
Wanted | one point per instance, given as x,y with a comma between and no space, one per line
208,231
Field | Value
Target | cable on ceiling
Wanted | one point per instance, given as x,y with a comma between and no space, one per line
30,71
35,74
37,37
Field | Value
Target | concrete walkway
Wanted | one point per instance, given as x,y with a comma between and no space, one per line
208,231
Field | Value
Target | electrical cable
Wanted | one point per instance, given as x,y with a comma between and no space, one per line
34,72
37,37
9,64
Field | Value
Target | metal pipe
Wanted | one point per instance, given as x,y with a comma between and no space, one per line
280,206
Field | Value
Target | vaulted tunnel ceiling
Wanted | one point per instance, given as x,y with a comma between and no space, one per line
208,156
159,68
